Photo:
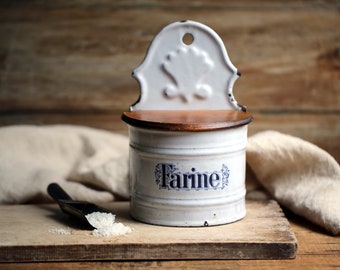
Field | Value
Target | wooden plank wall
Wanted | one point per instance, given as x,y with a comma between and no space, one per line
71,61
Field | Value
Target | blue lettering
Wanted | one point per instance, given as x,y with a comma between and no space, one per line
169,177
214,180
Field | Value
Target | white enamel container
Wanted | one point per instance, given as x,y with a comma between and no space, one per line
187,148
188,178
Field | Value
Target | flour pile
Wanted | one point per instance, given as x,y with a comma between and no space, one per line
60,231
105,225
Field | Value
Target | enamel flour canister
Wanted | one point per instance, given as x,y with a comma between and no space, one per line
187,132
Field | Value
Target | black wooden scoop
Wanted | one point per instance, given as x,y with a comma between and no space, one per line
78,209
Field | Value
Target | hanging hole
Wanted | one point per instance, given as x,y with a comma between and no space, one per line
188,39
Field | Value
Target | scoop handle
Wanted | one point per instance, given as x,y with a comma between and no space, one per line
57,193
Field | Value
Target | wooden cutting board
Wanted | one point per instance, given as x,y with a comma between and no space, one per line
25,236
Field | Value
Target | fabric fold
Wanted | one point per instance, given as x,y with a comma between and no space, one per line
299,175
91,164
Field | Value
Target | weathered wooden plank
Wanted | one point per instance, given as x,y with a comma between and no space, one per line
65,62
107,121
320,129
263,234
316,250
80,56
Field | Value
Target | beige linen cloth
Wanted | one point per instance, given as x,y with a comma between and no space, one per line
92,165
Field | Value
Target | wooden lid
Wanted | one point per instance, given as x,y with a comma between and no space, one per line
202,120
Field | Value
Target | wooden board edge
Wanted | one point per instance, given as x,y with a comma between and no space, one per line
124,252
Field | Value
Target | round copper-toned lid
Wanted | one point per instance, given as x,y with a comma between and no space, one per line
194,120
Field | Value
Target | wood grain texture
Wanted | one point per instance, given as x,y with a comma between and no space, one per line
70,62
82,55
24,232
316,250
317,128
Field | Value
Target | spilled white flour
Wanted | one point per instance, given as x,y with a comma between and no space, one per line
60,231
105,225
